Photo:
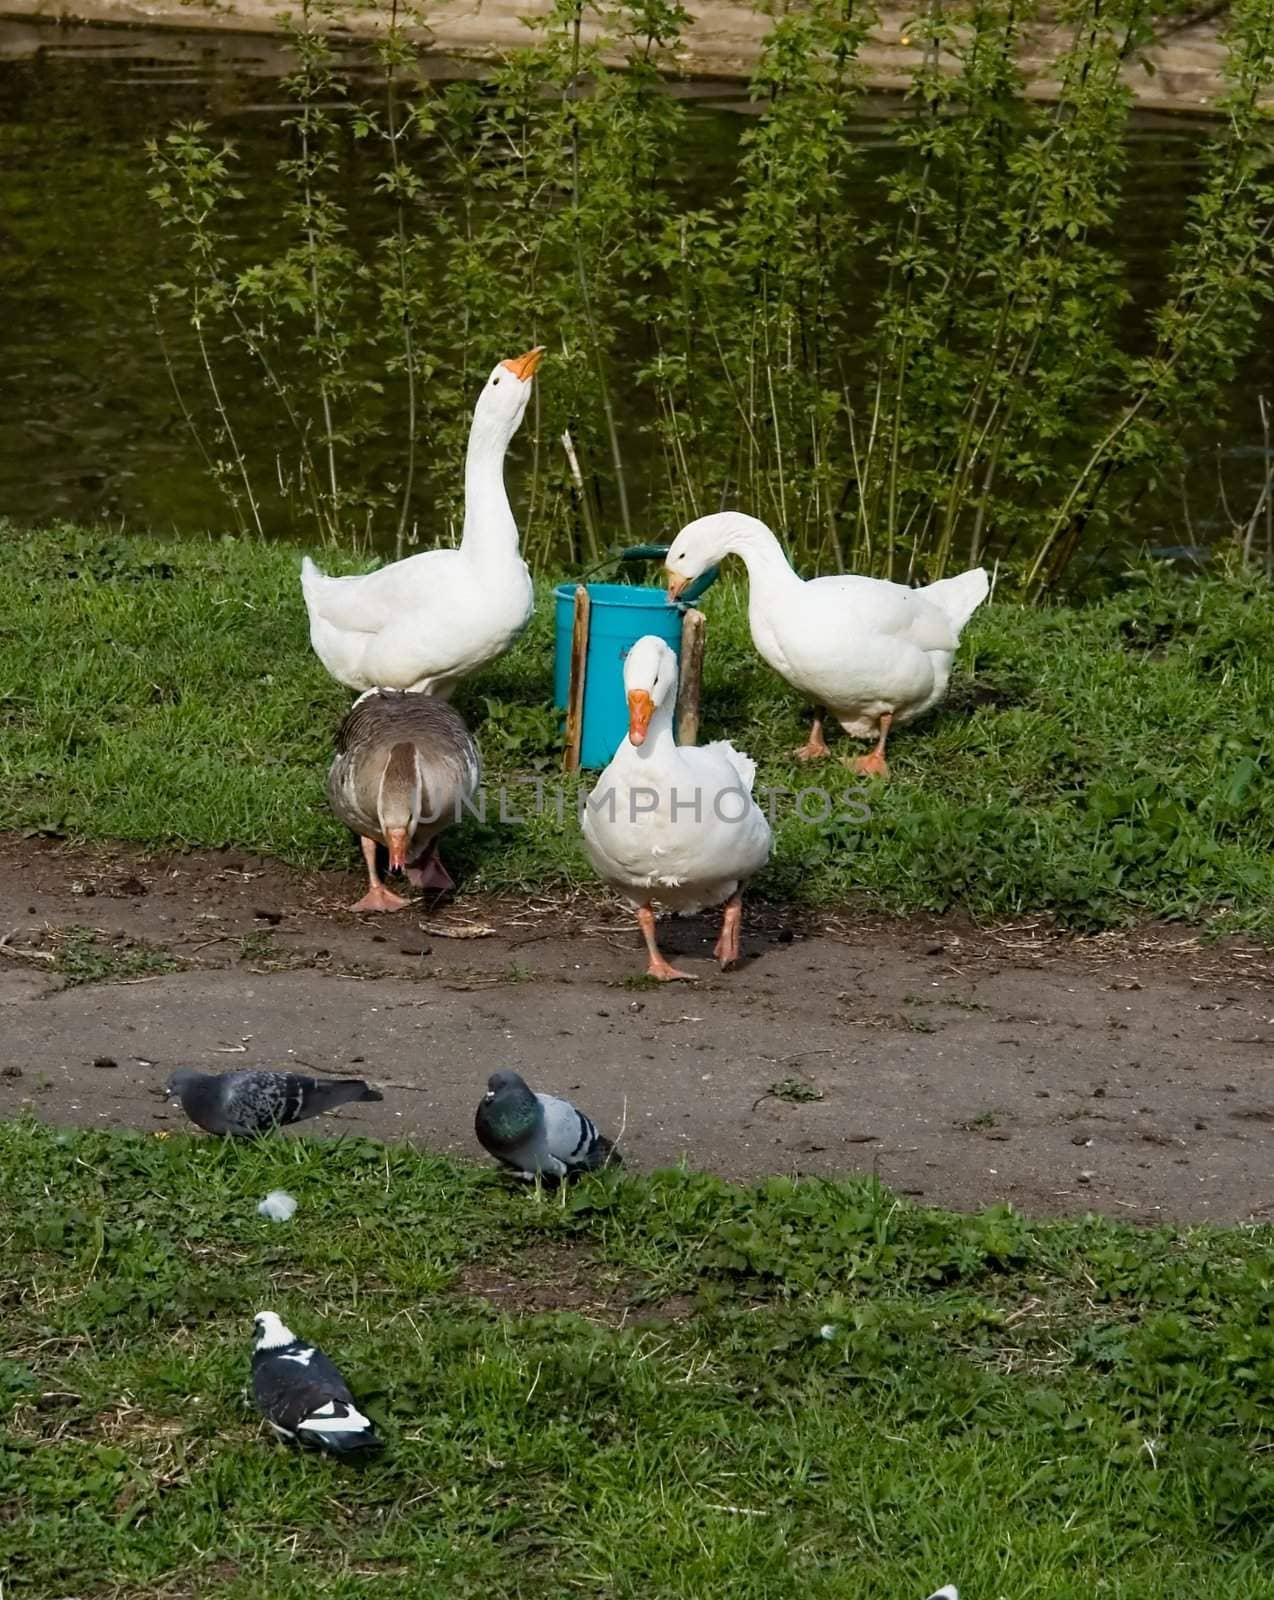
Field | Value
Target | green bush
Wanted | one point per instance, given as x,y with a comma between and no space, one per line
1008,406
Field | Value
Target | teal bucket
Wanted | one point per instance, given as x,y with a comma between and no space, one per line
619,615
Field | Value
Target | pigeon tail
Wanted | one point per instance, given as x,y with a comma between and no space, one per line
339,1444
604,1153
327,1096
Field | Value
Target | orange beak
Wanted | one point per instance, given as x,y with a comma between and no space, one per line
640,710
524,366
396,842
676,585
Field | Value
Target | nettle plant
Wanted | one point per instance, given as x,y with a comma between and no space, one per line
1008,404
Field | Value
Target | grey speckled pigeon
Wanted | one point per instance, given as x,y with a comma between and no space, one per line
244,1103
538,1133
301,1394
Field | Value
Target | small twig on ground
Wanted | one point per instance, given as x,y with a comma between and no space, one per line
465,930
24,955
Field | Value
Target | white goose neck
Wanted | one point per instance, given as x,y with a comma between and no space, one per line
758,548
489,527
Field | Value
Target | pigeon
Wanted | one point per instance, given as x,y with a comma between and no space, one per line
243,1103
301,1395
538,1134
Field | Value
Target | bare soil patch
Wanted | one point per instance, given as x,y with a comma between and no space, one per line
568,1278
1124,1074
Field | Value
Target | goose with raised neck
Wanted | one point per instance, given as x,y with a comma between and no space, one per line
431,619
873,653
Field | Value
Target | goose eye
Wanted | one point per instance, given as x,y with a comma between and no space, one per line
494,381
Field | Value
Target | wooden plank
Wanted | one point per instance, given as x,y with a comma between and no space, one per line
693,627
575,695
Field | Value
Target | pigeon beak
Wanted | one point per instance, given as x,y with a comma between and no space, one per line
640,710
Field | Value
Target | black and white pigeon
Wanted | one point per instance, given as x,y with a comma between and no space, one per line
538,1133
301,1395
243,1103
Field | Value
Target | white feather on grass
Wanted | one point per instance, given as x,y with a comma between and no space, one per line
278,1205
949,1593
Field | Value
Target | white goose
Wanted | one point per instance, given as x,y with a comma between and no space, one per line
430,620
674,824
873,653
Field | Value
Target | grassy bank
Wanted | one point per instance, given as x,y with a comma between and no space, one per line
1101,764
847,1399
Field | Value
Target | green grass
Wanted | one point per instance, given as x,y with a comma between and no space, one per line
853,1399
1103,764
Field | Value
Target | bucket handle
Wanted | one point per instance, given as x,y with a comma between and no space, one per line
656,552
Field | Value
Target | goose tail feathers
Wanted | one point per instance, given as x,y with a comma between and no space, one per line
959,597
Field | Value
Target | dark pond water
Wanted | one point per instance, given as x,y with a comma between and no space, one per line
89,428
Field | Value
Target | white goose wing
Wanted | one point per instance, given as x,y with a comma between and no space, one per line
742,764
369,601
726,835
876,606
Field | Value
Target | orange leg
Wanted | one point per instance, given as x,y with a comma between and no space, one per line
656,967
815,747
378,897
875,765
726,949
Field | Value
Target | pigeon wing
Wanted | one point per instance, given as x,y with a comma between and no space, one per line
310,1097
301,1394
571,1138
255,1102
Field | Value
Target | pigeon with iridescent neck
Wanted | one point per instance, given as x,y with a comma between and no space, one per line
538,1135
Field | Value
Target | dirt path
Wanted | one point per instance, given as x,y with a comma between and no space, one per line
1130,1077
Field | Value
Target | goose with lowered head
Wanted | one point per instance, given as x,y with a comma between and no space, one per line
434,618
405,766
674,825
875,654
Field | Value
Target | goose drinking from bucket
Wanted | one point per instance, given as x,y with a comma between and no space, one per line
875,654
674,825
430,620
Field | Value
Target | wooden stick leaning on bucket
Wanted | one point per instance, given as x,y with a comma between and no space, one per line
575,695
693,626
